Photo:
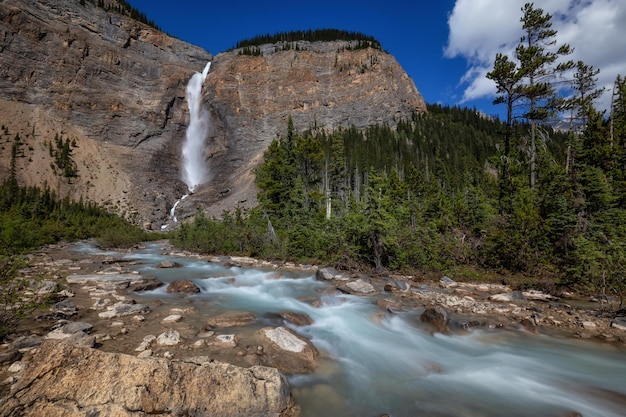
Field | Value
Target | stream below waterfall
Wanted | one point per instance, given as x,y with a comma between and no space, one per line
372,362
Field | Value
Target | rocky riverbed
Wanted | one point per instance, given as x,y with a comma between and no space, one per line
101,316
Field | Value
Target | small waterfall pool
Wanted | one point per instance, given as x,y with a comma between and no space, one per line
373,362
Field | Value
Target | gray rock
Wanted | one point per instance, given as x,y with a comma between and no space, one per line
397,285
46,287
360,287
446,282
17,367
438,317
82,339
509,296
330,274
619,323
169,338
172,318
70,329
72,381
124,308
230,340
26,342
538,296
66,307
118,280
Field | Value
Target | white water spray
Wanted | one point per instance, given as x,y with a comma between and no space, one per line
194,169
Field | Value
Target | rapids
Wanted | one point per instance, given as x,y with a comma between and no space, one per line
373,362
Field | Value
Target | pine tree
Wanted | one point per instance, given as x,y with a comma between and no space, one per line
581,105
538,66
507,77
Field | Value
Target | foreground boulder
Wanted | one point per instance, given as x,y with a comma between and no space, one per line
68,380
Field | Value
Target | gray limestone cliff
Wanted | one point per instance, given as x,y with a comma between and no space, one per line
117,87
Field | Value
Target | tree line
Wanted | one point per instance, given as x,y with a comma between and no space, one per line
312,35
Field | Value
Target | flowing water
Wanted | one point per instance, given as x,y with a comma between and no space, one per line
373,362
194,167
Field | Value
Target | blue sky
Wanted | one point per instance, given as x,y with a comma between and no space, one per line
446,46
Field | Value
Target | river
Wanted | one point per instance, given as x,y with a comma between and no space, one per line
373,362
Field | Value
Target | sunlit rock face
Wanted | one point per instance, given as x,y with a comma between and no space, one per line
324,85
118,87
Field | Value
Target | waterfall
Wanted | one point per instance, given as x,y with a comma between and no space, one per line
194,170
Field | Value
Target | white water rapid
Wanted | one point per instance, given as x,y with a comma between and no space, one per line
374,362
194,168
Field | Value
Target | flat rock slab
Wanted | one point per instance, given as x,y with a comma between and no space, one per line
26,342
122,309
69,329
508,297
72,381
172,318
286,340
168,338
232,319
538,296
227,339
360,287
97,278
66,307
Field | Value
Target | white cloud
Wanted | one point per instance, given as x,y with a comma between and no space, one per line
479,29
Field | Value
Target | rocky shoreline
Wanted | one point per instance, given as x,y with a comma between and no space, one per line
102,325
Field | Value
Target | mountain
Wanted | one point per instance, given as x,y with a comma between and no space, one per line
105,93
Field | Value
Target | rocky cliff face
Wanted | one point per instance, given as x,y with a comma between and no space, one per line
323,84
117,88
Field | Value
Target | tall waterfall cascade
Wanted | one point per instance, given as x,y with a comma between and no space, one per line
194,171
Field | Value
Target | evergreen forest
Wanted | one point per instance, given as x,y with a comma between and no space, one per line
317,35
454,190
